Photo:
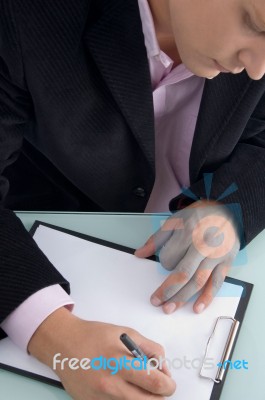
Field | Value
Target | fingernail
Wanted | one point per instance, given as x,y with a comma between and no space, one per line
155,301
200,308
169,308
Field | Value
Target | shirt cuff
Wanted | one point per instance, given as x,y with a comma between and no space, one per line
21,324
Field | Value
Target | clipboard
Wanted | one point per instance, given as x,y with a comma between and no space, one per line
231,340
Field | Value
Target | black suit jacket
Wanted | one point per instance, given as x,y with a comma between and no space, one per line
75,85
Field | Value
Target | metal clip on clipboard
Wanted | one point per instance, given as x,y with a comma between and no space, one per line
227,350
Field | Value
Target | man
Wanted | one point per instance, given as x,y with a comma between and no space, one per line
76,82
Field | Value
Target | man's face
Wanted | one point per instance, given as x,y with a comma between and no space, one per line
230,33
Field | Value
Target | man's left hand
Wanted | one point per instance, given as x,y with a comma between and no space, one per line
198,244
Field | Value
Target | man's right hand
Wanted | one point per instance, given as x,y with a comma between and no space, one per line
72,337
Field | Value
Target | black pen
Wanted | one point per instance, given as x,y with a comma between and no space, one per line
132,347
138,353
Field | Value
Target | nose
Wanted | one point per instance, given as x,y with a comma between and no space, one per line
254,61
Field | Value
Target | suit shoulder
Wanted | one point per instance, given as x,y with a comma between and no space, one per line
10,52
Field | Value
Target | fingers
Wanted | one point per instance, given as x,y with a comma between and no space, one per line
174,250
212,287
138,393
156,241
155,376
176,281
110,389
207,276
155,350
151,380
196,283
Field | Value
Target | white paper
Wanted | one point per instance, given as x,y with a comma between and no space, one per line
113,286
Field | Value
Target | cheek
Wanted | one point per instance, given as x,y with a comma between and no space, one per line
225,47
192,36
206,35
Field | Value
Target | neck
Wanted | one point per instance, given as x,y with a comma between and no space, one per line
161,16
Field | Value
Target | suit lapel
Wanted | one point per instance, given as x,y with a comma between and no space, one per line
116,43
221,97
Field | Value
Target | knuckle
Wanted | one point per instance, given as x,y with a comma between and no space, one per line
166,259
185,269
104,384
157,384
200,279
159,349
169,224
217,281
129,331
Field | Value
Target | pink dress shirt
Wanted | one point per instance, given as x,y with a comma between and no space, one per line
176,96
24,320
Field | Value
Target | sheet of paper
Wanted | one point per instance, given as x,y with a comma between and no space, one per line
113,286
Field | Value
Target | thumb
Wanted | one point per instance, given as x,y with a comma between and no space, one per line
147,250
158,239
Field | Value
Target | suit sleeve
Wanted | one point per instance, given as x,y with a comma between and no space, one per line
24,269
245,170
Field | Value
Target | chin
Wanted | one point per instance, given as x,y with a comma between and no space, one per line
203,73
212,76
198,70
208,73
199,65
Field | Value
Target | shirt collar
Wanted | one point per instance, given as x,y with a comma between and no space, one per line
151,42
154,53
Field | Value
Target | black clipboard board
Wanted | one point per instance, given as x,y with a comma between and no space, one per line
239,316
